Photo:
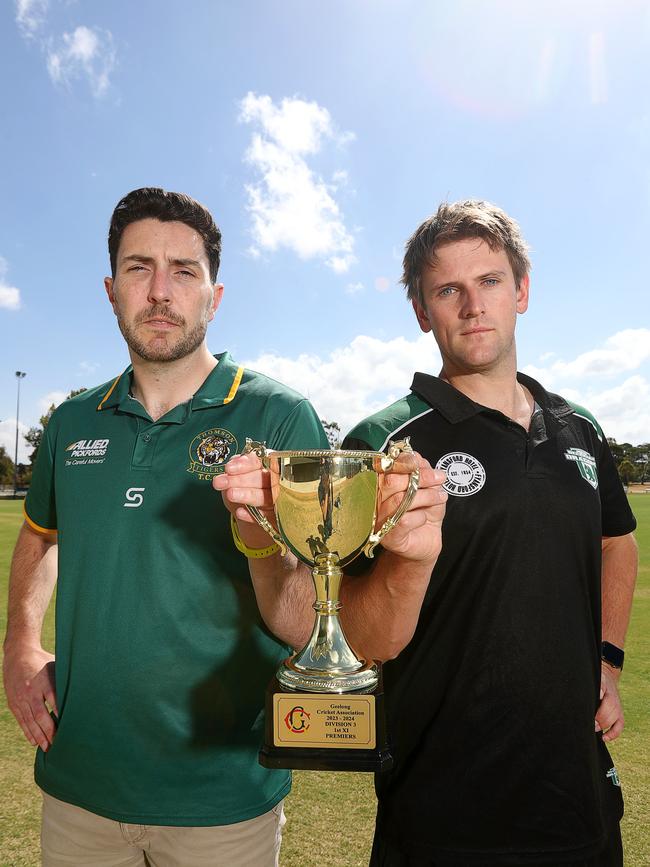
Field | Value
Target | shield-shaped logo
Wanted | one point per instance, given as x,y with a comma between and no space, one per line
586,464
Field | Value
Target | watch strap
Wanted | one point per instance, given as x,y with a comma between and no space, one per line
612,655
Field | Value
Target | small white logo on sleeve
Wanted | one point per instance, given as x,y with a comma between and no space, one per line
465,474
134,498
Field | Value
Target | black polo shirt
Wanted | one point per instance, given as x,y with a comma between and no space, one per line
491,706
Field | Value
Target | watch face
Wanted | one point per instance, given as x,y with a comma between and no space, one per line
612,654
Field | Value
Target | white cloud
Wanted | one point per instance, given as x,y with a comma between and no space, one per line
356,380
623,411
354,288
85,53
30,15
87,368
9,295
8,440
622,352
52,397
290,205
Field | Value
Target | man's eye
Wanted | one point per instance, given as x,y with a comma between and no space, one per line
490,281
185,273
447,290
137,268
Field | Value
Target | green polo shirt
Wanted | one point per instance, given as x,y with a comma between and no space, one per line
162,658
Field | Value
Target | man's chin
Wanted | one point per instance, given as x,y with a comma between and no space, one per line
161,351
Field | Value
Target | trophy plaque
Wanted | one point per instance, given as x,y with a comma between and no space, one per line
324,708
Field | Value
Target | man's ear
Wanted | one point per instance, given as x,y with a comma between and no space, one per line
523,294
217,295
108,286
422,316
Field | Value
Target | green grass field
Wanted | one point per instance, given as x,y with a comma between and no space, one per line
330,816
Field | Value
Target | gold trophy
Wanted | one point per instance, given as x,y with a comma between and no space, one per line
324,709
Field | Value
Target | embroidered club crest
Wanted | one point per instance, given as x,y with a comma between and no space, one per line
210,450
586,465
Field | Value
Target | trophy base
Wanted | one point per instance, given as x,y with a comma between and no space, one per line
325,731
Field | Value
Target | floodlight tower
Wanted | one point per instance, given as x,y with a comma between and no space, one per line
19,375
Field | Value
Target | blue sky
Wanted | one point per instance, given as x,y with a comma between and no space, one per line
320,134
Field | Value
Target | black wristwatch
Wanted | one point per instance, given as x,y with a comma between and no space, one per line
612,655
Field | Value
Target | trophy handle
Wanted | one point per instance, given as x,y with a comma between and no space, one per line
394,450
260,450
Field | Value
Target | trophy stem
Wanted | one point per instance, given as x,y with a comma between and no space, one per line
327,663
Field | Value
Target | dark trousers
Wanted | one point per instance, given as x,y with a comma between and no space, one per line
384,855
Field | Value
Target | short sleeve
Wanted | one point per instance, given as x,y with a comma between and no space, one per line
40,503
617,516
301,429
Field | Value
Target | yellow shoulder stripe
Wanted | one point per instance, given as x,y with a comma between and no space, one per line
235,384
109,392
44,531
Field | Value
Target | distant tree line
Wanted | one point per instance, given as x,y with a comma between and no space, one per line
34,437
23,476
333,433
632,462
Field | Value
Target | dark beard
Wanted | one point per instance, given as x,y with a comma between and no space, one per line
184,346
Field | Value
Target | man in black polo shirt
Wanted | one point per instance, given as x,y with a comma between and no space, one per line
501,705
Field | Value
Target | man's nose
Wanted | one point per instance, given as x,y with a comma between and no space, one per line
472,305
160,287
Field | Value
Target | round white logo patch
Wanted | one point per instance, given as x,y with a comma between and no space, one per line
465,475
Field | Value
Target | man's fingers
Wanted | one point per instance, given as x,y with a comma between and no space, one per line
615,730
260,497
609,716
22,722
253,479
426,498
50,698
42,726
36,723
398,481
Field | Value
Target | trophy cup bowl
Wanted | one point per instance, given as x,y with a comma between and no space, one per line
325,507
325,504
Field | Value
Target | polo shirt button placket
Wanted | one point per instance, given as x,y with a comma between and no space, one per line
145,447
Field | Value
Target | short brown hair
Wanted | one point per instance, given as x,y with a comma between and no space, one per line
158,204
458,221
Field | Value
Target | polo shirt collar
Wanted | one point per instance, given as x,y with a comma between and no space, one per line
220,387
221,384
455,406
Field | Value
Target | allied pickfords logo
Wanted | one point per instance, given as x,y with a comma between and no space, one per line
297,720
86,452
465,474
209,452
586,464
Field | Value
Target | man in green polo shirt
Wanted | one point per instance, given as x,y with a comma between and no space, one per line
149,754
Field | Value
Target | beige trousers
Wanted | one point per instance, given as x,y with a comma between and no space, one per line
73,836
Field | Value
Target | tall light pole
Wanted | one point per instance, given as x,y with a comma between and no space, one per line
19,375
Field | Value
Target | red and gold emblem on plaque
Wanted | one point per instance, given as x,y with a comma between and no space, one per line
297,720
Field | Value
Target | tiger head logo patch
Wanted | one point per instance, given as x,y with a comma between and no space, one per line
209,452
